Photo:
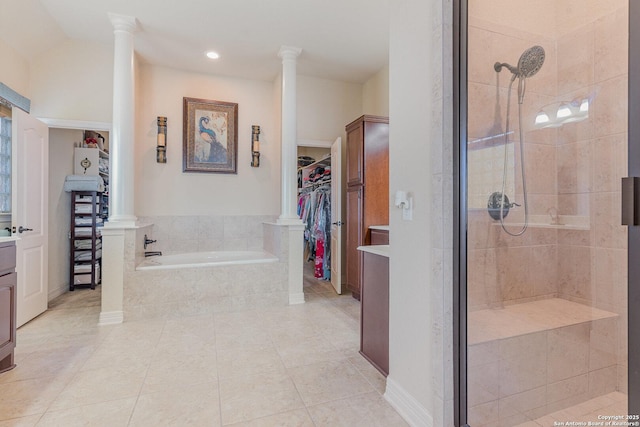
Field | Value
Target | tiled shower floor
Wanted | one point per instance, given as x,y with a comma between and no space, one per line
609,404
287,366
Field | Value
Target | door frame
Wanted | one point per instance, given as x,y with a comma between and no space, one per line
460,33
633,246
75,125
322,143
459,213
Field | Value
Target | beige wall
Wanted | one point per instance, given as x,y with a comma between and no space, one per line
73,82
325,107
15,70
163,189
420,384
415,117
375,94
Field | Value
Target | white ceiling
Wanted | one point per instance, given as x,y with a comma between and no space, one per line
344,40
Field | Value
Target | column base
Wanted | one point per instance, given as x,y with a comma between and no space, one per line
111,318
121,221
285,220
296,298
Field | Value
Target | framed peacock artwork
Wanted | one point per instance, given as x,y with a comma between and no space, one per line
210,133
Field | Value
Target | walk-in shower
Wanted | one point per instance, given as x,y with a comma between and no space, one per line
498,205
544,312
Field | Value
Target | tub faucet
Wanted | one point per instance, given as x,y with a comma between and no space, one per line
147,241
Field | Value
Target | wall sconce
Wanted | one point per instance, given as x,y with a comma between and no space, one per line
255,146
161,149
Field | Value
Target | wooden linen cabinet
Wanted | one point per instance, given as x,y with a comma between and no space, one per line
367,188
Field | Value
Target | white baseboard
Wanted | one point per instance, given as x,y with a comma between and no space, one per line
56,292
297,298
407,406
111,317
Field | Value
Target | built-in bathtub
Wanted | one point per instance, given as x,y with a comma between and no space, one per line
201,283
205,259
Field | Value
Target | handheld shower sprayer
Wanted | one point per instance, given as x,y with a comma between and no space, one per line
529,64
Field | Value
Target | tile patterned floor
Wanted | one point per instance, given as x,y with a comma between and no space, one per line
288,366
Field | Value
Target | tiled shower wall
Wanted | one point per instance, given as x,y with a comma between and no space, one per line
592,155
195,233
502,268
575,169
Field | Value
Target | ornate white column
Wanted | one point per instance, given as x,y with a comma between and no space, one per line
121,188
289,185
121,216
289,217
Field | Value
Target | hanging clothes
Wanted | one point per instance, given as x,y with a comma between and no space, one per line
314,209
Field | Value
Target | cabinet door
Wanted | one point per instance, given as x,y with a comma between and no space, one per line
355,143
354,239
374,338
376,165
7,314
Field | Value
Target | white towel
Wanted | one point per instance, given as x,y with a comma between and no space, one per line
83,183
86,256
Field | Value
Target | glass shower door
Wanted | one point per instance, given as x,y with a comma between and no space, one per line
546,259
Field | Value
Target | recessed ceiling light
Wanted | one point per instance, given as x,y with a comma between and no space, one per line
212,55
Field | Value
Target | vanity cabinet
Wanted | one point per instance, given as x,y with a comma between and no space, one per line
374,306
8,280
379,235
367,188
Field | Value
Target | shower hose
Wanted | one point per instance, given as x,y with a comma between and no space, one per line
506,159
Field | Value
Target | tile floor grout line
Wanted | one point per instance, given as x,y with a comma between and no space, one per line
311,314
215,344
133,410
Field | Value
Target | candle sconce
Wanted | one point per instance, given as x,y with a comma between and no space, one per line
161,148
255,146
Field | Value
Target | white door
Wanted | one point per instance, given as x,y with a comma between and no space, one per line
336,215
30,190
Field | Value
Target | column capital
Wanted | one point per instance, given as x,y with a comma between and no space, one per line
289,52
123,22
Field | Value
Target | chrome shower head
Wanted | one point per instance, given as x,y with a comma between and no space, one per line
531,61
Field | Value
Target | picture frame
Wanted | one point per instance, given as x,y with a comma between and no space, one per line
210,136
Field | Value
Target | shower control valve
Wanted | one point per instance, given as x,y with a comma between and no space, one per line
147,241
498,205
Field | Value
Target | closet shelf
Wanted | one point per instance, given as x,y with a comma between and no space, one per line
86,233
326,161
307,175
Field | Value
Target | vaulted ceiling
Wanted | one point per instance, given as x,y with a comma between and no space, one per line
343,40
